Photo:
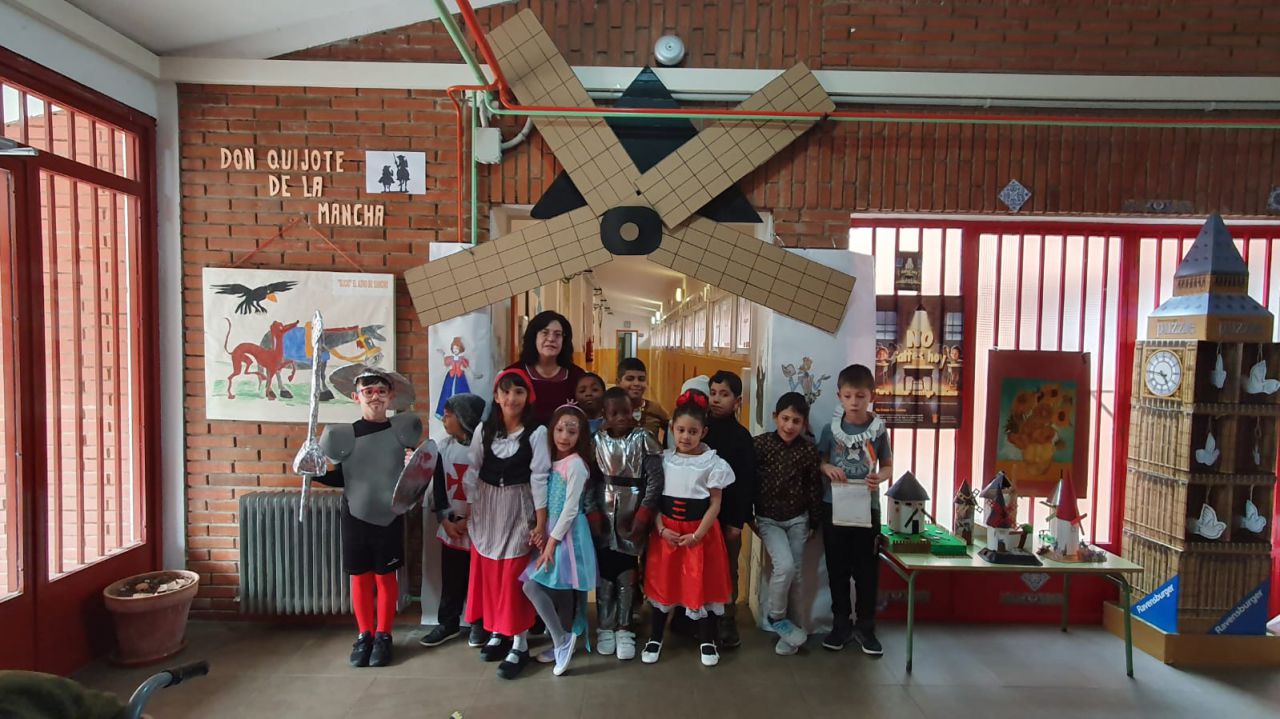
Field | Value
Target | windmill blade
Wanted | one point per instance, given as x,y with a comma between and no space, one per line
727,151
764,273
585,146
514,263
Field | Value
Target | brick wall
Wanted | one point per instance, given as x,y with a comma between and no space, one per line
811,188
1213,37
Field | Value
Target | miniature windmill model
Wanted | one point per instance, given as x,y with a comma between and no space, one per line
629,213
1001,499
1066,521
906,505
965,505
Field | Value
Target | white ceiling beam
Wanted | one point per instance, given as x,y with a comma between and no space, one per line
846,86
84,28
362,19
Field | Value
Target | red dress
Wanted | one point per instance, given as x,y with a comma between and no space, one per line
697,577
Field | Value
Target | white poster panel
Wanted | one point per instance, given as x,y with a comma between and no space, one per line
799,358
462,361
395,171
257,346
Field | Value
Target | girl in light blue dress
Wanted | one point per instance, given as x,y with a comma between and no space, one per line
564,570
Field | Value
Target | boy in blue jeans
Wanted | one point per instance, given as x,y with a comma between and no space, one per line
852,445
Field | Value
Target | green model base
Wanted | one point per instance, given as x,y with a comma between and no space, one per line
933,540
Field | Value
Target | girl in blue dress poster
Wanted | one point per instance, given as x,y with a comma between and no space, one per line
455,378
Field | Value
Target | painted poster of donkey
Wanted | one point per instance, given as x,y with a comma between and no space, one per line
258,353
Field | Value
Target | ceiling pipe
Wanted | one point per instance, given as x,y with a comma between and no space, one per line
509,106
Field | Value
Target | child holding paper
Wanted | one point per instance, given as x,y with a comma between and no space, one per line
855,448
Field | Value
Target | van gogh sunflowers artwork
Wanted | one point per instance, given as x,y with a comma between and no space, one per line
257,340
1039,421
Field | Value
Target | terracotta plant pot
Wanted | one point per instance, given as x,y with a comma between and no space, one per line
150,627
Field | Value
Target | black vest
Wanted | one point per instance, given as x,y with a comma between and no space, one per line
515,469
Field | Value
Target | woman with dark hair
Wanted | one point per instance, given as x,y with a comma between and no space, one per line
546,353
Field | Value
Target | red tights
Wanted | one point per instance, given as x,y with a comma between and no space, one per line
362,600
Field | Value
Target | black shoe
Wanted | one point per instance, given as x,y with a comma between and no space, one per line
866,638
381,654
440,635
838,638
478,636
361,650
495,652
515,662
729,638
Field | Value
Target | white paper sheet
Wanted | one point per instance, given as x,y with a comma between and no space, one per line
850,504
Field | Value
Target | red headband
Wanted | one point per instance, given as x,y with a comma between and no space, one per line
528,381
693,396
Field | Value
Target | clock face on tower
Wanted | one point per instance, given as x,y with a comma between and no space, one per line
1163,373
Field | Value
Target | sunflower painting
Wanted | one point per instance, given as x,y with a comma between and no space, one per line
1036,436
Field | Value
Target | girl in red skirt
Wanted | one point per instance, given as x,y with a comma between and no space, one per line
688,565
506,482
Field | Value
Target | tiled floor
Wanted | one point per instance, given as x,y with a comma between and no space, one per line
981,671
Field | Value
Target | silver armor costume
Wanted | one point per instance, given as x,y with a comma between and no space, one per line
632,469
371,464
632,478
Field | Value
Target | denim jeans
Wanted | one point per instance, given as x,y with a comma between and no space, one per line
784,541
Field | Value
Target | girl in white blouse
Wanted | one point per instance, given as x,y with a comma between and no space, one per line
505,484
687,564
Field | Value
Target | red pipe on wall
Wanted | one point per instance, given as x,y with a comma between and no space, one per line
509,102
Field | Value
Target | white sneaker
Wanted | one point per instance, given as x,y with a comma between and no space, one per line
546,657
605,643
626,645
789,632
652,650
782,649
710,655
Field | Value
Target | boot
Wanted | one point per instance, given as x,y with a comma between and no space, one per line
626,587
607,615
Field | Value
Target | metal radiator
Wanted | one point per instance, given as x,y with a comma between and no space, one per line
292,567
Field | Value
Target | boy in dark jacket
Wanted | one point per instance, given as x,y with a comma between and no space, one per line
735,445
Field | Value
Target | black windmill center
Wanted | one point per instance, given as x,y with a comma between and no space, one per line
632,230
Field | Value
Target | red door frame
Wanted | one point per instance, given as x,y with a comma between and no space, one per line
1085,604
66,615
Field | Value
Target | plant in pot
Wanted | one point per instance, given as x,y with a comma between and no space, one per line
150,614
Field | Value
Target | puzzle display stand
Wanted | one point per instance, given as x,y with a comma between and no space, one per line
1200,477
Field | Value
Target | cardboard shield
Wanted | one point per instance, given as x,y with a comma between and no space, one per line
415,477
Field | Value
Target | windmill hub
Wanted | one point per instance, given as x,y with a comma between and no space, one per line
631,230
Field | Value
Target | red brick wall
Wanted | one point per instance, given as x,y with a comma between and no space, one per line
1212,37
811,188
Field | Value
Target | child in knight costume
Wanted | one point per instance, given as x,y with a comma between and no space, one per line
370,455
631,462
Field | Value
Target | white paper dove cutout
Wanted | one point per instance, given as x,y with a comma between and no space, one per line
1258,382
1208,525
1209,455
1252,521
1219,374
1257,455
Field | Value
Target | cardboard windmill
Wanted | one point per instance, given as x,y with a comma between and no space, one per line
1066,533
906,505
629,212
1006,541
965,505
909,530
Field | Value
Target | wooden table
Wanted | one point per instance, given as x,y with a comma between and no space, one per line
1115,569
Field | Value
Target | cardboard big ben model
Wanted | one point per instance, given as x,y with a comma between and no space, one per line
1202,448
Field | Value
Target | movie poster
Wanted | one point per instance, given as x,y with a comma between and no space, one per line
919,361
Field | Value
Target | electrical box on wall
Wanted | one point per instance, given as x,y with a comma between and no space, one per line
487,145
